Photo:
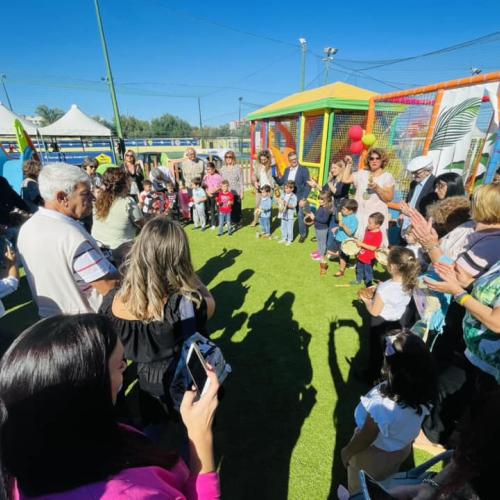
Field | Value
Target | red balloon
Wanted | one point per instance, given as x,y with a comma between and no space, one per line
355,133
356,148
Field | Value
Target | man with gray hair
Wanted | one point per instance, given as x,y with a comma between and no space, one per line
66,270
421,193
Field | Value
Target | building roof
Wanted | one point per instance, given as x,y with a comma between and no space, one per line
7,118
76,123
335,95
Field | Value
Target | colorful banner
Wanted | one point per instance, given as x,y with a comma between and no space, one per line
456,124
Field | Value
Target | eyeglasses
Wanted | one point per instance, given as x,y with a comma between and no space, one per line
293,158
374,158
129,154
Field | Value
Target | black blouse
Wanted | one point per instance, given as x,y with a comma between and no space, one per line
155,345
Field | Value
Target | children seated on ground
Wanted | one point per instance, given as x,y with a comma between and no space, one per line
389,303
390,416
265,208
286,212
371,241
322,219
199,199
346,228
225,200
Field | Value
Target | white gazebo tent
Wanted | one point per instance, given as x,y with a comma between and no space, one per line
75,123
7,118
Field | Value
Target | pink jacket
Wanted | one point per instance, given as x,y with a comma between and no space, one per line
144,483
212,182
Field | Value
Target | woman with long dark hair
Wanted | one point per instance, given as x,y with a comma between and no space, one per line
59,438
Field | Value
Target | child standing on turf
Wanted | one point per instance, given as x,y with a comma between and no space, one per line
172,210
389,303
371,241
346,228
286,212
389,417
199,199
225,200
265,207
322,219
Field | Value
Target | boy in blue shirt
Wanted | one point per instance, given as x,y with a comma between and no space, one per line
266,204
286,212
347,227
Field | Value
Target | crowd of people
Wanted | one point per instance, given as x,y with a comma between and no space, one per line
108,264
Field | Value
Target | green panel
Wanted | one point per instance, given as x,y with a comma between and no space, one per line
328,151
311,106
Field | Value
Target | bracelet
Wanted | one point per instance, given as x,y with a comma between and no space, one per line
464,299
459,296
429,249
431,482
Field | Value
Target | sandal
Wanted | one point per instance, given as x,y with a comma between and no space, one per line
339,274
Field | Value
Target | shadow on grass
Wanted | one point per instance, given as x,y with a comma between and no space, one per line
268,397
17,320
348,393
217,264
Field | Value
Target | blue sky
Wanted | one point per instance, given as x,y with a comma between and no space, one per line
164,54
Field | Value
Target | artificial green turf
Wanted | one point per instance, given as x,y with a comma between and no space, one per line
288,334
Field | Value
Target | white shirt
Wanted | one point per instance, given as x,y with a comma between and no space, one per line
292,173
395,299
398,425
61,260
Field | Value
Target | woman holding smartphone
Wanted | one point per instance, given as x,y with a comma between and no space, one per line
72,367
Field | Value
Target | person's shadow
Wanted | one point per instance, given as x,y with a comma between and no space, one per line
348,394
268,397
229,297
216,264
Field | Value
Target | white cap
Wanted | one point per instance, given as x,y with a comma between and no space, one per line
419,163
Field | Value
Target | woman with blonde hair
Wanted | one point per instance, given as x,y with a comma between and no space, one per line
117,215
134,170
160,303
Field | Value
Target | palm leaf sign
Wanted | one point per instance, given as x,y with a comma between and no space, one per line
455,123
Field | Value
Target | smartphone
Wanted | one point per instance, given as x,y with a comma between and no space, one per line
373,490
197,369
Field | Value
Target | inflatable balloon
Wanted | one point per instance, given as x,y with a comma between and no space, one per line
356,148
369,139
355,133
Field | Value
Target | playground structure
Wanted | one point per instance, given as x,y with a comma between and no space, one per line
455,122
313,123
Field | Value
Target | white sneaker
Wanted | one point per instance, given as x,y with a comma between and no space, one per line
288,243
212,228
282,241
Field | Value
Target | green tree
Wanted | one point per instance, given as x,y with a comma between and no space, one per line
105,122
133,127
49,115
168,125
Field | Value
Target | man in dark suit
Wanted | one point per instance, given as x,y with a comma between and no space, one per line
300,175
421,193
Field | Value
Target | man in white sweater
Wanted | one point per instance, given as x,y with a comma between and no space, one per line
66,270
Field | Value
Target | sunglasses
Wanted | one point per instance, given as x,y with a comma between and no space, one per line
129,154
229,156
374,158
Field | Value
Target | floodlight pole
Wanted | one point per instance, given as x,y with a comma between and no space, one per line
240,141
201,122
328,59
110,78
303,47
3,77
